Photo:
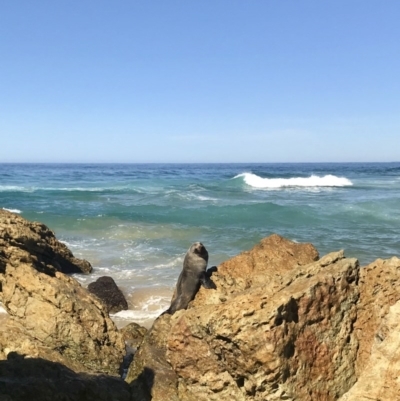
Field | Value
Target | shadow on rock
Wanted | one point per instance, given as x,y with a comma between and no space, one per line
142,385
36,379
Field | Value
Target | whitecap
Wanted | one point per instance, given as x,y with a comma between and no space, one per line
329,180
14,188
13,210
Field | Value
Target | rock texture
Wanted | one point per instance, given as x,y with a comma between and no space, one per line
281,325
50,314
108,292
378,331
39,243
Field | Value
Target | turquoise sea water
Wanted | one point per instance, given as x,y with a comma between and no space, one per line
135,222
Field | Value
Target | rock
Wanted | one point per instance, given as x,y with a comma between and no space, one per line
275,326
39,243
281,325
379,380
271,345
133,335
61,315
50,314
108,292
378,331
379,290
150,374
265,263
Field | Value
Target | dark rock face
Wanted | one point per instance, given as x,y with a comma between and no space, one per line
107,291
36,379
41,246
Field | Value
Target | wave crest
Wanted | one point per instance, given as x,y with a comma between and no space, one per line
329,180
12,210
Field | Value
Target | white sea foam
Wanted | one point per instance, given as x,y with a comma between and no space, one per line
313,181
189,196
144,310
173,263
13,210
206,198
14,188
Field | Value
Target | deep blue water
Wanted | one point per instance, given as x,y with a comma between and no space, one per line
135,222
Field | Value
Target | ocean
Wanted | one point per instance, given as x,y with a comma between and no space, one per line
135,222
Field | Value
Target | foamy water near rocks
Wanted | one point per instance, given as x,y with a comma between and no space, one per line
281,324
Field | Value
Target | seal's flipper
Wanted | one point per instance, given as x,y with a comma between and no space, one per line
206,282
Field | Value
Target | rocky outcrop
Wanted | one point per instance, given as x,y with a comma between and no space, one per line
379,291
39,243
280,325
57,313
265,264
270,338
379,379
51,315
378,332
108,292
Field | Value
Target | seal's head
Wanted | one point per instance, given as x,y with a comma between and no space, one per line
200,250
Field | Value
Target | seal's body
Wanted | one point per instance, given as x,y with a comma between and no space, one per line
192,276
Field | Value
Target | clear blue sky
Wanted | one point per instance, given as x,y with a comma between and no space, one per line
199,81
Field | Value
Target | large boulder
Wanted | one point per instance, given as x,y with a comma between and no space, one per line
280,325
269,337
39,243
266,263
50,314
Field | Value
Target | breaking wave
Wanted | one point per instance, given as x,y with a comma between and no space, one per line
255,181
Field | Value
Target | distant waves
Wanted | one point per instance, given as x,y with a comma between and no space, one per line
313,181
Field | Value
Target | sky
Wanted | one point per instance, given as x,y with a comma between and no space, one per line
143,81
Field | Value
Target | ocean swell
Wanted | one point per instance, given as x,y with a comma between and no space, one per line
313,181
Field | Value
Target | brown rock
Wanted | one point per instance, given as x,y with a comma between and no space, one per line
41,246
285,335
150,374
379,290
133,335
261,345
379,380
280,325
50,314
60,314
378,331
265,263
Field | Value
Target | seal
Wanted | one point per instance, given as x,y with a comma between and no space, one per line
193,275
